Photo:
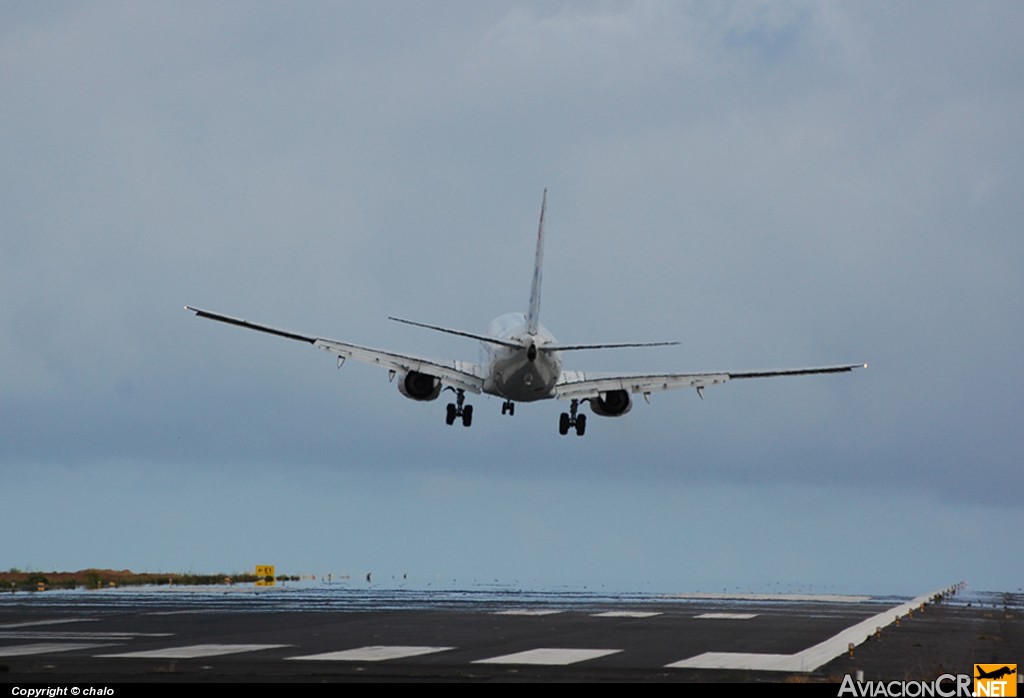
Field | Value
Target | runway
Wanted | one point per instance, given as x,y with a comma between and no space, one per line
323,633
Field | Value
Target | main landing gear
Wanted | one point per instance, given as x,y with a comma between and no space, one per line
571,419
508,407
457,409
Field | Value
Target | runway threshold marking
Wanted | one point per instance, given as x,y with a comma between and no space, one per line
806,660
548,656
373,653
627,614
193,651
726,616
48,648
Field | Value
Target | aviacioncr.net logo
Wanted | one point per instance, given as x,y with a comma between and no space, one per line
946,686
995,680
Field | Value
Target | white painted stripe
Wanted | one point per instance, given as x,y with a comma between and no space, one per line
825,598
193,651
528,612
627,614
806,660
727,616
55,621
553,656
738,660
57,635
374,653
46,648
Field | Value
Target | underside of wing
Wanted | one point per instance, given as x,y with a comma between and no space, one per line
458,374
579,385
462,375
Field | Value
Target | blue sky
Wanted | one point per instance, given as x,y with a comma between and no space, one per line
773,185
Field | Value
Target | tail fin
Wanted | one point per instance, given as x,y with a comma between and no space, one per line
533,317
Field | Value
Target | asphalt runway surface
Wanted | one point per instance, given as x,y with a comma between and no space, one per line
310,633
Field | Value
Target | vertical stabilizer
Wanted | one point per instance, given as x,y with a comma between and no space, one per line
533,317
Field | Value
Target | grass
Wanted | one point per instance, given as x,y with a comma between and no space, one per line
18,580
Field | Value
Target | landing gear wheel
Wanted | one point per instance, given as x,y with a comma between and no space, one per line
457,409
508,407
570,420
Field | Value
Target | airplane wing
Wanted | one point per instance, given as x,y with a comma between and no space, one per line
458,374
577,385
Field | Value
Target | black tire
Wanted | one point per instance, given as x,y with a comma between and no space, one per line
450,417
467,415
563,424
581,424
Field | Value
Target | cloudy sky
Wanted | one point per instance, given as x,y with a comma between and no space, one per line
771,184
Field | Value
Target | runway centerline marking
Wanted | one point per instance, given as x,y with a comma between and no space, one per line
373,653
548,656
627,614
528,612
194,651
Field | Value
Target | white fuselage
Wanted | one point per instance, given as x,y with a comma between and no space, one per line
520,374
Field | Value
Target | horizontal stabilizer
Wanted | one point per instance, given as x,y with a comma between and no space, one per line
618,345
460,333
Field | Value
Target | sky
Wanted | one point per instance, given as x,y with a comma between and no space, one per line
773,185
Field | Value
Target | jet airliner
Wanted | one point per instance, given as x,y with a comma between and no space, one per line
522,363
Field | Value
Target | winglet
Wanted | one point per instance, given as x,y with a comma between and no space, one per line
533,317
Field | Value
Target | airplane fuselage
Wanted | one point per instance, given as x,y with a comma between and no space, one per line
520,374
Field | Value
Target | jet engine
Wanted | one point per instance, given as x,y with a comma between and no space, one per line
613,403
419,386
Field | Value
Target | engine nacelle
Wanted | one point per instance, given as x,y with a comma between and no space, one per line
613,403
420,386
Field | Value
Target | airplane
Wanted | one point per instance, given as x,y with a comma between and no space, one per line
996,673
522,363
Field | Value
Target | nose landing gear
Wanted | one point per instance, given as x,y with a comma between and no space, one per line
508,407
